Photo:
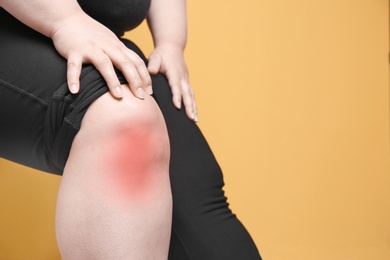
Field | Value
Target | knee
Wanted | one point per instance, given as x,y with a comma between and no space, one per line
129,121
124,144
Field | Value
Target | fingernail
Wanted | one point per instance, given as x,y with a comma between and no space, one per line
195,117
73,88
149,89
118,92
178,104
141,93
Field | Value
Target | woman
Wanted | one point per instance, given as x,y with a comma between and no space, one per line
76,100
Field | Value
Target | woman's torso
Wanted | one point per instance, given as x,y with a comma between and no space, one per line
118,15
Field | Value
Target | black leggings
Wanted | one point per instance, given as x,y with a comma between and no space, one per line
39,119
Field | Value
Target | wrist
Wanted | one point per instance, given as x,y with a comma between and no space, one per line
170,46
63,20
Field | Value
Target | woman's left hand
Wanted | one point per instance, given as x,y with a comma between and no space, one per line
169,60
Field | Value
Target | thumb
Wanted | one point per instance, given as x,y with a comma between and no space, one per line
154,64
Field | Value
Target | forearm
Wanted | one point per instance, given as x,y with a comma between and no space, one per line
44,16
168,22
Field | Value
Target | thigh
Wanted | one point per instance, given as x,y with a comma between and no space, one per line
203,225
39,117
30,72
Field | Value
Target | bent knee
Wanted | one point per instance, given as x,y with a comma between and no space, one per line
125,144
128,118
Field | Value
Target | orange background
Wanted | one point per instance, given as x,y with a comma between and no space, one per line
294,100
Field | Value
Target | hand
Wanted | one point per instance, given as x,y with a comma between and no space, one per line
80,39
169,60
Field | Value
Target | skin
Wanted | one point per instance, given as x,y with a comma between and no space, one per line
169,30
114,200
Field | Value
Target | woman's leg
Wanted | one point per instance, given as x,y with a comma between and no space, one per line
203,227
114,200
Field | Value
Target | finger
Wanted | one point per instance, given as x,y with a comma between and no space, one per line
175,84
188,100
74,65
196,111
142,70
195,107
104,65
134,70
154,64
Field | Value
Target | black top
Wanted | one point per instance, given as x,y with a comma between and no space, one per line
118,15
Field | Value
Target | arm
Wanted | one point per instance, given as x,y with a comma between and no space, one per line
32,13
168,23
80,39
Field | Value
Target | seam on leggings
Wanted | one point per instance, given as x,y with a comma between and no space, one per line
181,241
71,124
23,92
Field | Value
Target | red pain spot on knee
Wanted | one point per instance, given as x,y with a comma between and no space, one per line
132,165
